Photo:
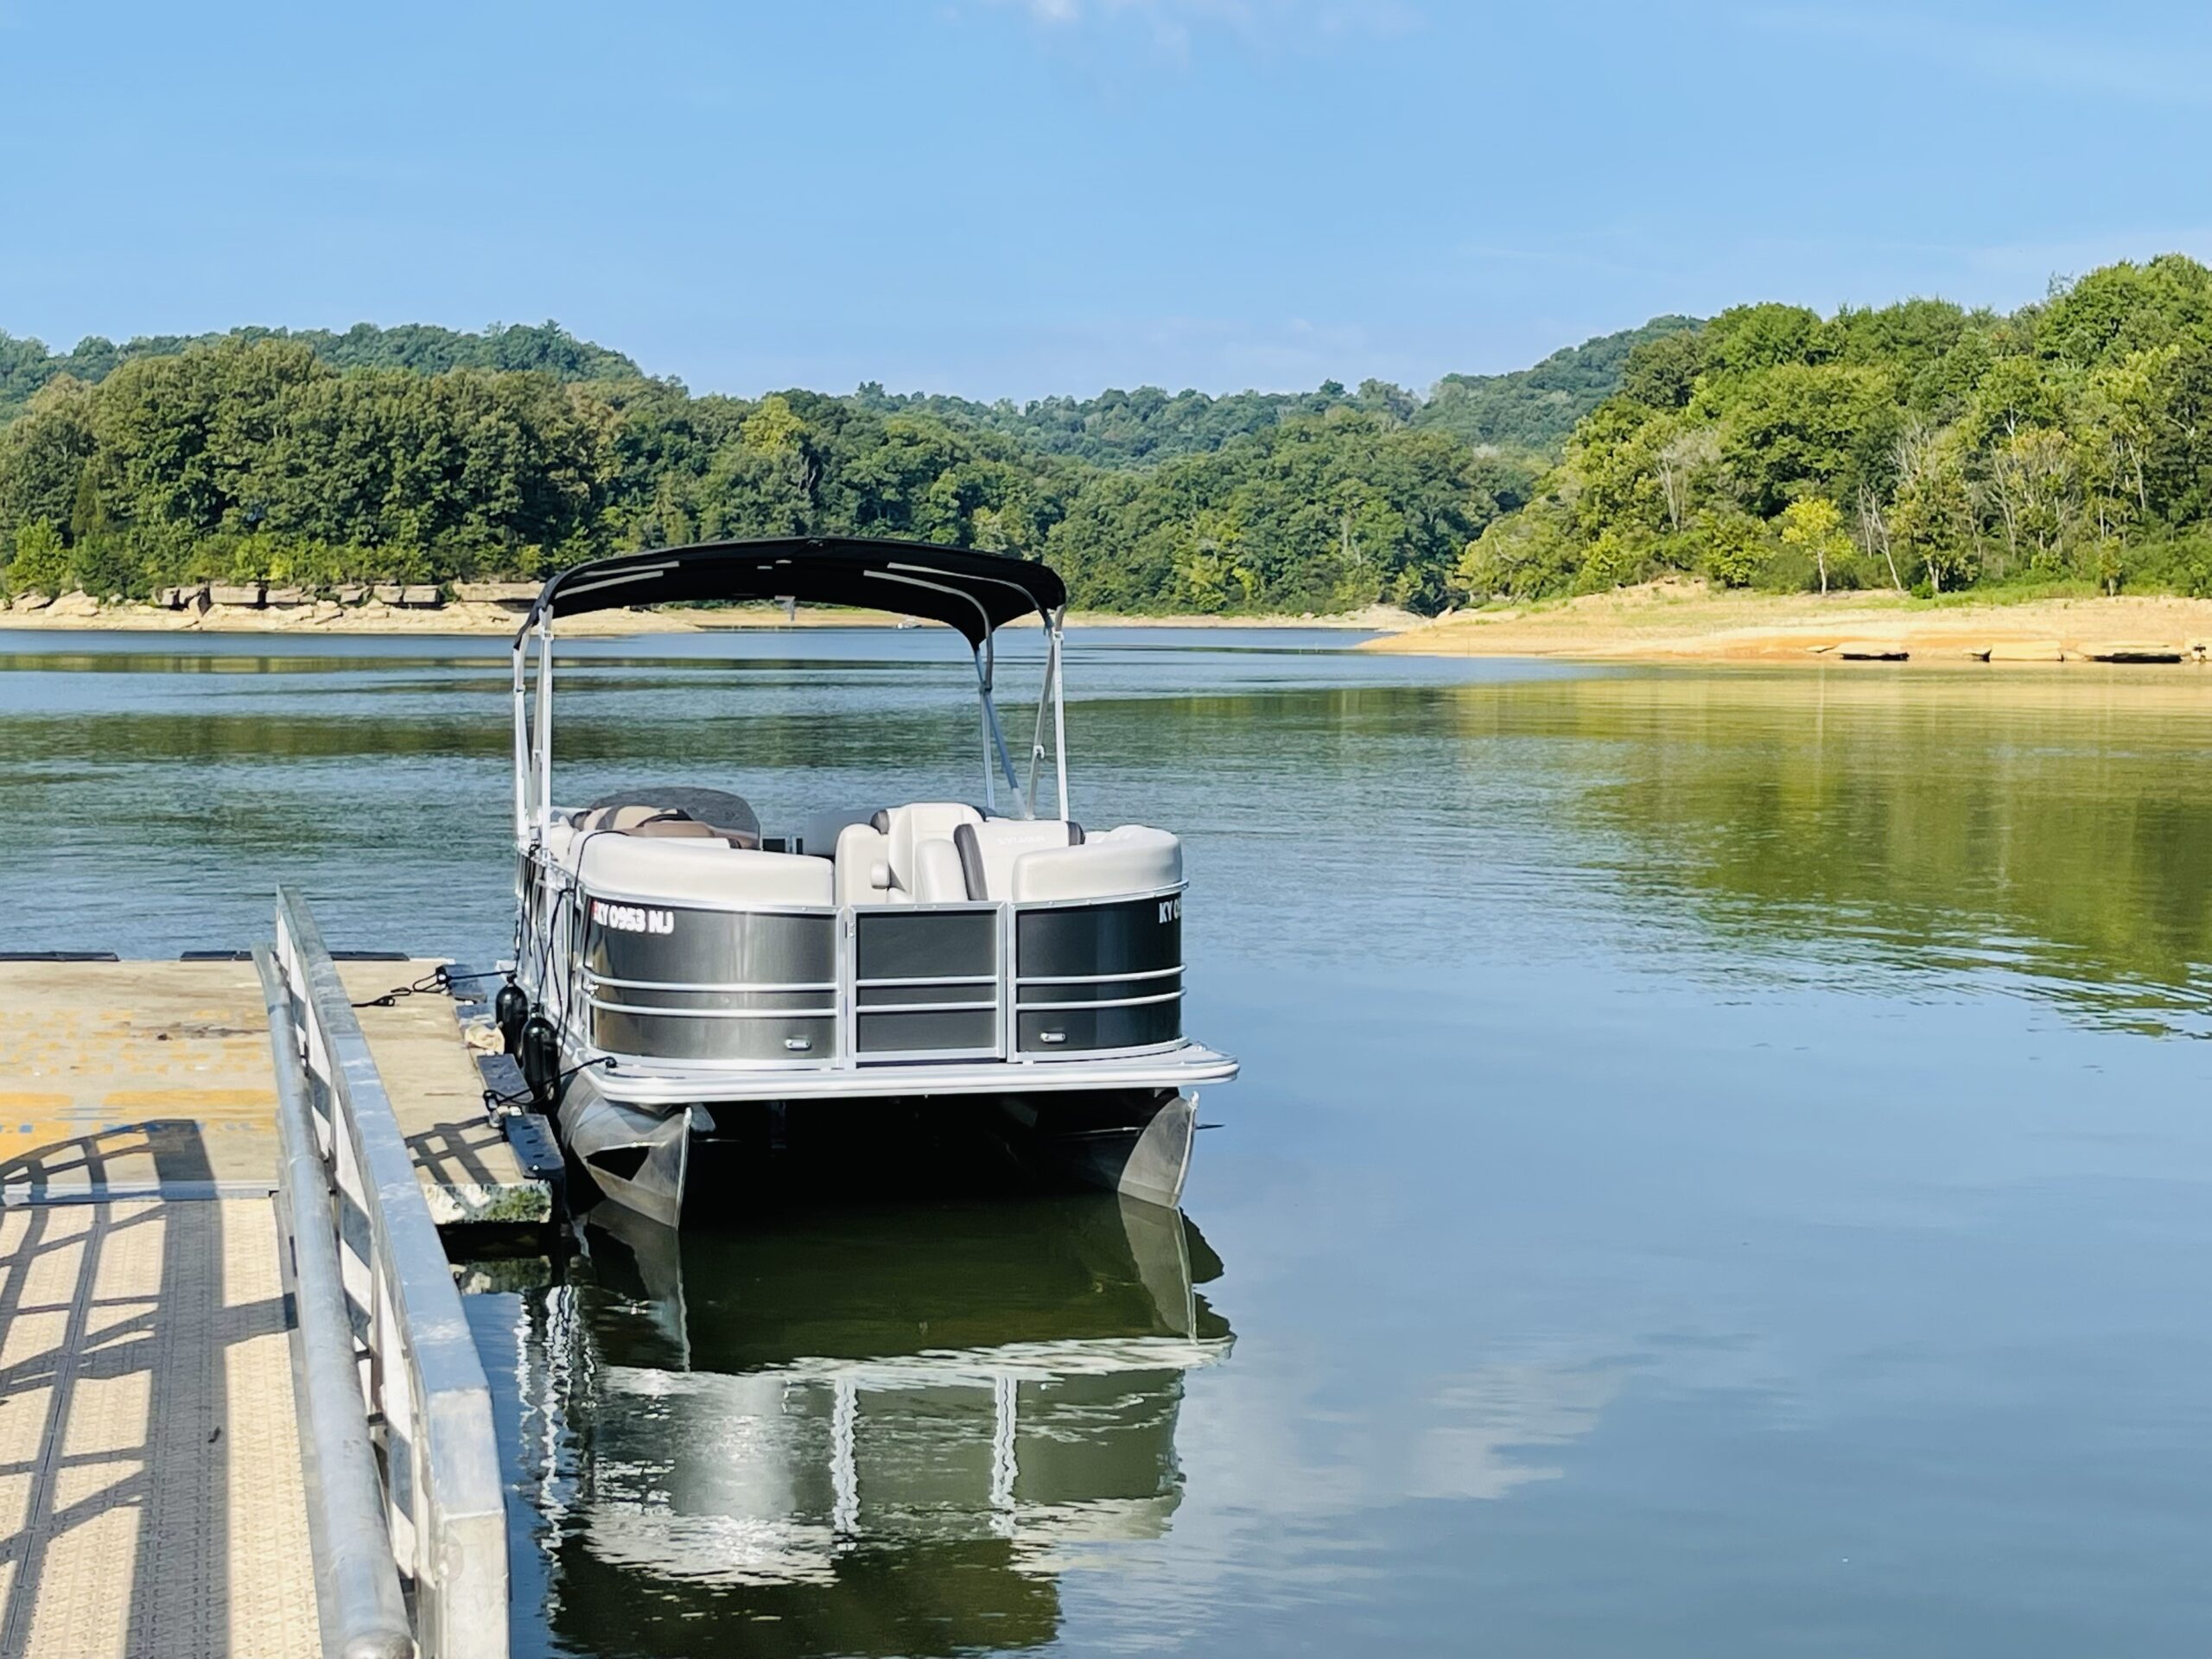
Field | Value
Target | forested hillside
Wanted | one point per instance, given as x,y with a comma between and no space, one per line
1532,410
1527,414
26,364
1917,446
420,454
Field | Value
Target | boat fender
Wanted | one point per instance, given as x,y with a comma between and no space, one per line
509,1009
538,1049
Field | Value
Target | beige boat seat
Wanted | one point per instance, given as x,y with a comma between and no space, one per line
863,861
904,856
664,819
694,872
989,850
1128,860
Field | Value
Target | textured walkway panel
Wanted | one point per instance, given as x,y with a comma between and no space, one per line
150,1481
150,1471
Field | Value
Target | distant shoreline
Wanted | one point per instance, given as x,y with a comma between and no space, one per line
76,614
1689,622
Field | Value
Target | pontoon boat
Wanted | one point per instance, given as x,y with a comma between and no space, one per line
682,972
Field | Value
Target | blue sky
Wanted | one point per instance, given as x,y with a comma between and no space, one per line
1015,197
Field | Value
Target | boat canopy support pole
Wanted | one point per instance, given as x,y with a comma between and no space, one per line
994,747
1050,703
1060,705
522,747
545,736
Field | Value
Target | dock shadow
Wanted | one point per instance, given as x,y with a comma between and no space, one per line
445,1152
115,1396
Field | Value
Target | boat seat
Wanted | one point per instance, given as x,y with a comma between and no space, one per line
672,827
863,863
936,876
731,817
1126,862
657,823
908,829
989,850
599,820
905,856
865,875
693,871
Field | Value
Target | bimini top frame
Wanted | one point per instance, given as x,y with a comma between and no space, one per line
973,594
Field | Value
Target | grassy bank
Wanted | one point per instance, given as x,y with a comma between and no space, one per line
1689,621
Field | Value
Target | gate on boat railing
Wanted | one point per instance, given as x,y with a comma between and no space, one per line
404,1498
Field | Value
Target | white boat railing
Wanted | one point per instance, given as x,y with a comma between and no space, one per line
373,1283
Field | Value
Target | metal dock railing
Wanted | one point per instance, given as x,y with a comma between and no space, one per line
404,1500
240,1408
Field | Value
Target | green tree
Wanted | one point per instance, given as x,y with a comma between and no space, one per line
45,452
1746,338
40,564
1732,549
1797,428
1932,520
1661,373
1814,527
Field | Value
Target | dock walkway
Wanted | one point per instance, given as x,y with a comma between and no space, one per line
153,1494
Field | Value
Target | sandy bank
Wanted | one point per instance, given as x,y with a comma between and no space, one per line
1687,621
75,612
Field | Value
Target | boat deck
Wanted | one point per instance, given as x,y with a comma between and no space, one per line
152,1498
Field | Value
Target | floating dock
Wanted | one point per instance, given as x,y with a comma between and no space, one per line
153,1078
225,1324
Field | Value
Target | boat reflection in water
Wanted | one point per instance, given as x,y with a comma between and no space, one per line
881,1432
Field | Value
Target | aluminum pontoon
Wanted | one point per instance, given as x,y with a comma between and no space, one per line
679,970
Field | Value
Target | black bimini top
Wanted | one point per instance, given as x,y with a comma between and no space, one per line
975,593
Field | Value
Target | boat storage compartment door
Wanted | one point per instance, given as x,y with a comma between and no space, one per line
1093,977
666,983
926,982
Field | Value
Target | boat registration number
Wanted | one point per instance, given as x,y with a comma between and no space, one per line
632,919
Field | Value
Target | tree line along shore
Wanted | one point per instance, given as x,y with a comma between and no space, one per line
1920,449
499,608
421,457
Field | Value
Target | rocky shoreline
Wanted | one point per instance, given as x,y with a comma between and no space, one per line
497,608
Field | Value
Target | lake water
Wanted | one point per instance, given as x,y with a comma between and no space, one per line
1722,1164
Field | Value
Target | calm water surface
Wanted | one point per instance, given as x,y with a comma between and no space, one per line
1722,1164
